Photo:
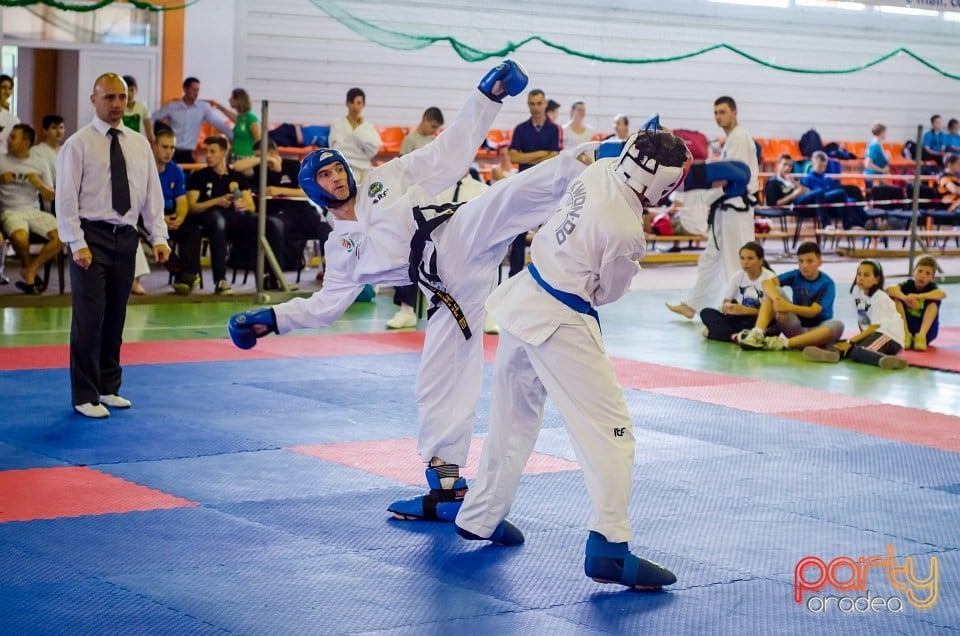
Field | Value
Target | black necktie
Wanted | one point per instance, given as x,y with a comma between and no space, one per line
119,185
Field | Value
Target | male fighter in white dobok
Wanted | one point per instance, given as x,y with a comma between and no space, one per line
454,255
585,255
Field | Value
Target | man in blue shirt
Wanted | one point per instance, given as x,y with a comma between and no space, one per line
805,321
185,117
934,141
173,185
533,141
823,189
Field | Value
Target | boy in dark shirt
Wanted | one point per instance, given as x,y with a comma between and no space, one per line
918,301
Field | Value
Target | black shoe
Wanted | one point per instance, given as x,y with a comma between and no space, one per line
270,282
26,288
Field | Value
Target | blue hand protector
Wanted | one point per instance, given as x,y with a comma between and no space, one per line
249,325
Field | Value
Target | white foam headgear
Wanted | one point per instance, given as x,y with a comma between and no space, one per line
642,168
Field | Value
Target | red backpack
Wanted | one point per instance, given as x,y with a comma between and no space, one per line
696,142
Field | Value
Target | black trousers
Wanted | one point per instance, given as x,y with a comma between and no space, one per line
518,254
183,156
100,295
405,294
212,225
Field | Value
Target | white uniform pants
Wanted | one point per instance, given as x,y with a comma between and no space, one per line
572,367
141,267
470,246
717,265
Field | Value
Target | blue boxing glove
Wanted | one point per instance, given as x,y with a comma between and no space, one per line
735,173
512,77
249,325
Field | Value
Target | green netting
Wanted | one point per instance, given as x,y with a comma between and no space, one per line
93,5
351,16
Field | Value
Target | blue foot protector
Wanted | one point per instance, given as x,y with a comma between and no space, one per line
613,563
504,534
440,504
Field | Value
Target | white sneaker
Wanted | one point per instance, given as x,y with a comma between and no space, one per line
114,401
403,319
751,339
89,409
223,287
490,326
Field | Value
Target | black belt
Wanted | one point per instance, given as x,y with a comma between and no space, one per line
107,226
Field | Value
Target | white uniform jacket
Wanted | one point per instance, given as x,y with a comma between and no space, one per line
589,247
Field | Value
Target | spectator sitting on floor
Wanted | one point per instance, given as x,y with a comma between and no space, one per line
24,180
741,298
918,302
881,329
807,319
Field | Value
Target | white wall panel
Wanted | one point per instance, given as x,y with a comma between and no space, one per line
303,61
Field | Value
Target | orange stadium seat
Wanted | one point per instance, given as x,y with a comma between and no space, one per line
773,148
856,148
391,138
496,136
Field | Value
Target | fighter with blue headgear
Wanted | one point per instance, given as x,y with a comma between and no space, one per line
311,166
389,231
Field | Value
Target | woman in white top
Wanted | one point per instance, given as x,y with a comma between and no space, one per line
355,138
575,132
741,298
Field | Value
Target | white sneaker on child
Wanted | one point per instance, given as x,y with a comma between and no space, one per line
403,319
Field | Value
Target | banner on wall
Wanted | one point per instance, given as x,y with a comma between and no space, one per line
931,5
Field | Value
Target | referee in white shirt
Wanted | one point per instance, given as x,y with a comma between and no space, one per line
106,179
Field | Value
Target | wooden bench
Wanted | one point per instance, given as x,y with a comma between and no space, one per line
869,239
691,254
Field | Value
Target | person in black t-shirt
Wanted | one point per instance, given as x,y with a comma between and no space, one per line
218,197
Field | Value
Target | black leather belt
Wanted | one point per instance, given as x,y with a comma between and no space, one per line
107,226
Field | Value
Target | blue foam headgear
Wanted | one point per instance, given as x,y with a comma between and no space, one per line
610,148
652,123
308,176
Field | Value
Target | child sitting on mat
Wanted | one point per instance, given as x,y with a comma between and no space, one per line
741,298
881,327
918,301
